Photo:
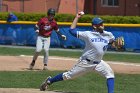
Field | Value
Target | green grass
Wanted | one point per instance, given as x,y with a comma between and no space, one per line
122,57
89,83
107,57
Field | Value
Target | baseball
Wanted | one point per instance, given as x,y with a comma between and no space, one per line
82,13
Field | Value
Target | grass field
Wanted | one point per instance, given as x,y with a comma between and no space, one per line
134,58
124,83
89,83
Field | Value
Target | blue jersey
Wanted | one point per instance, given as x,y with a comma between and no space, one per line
12,18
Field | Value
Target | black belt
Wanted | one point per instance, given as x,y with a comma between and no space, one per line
94,62
44,36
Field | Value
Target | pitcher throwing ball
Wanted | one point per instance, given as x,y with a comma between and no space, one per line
96,42
44,28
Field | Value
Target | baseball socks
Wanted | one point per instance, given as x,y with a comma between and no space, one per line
45,67
59,77
32,64
110,85
56,78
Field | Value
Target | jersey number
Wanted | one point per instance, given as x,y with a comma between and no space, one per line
105,48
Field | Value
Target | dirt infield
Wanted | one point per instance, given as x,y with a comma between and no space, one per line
21,63
23,90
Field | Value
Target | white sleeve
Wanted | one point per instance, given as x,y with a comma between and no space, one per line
82,34
111,36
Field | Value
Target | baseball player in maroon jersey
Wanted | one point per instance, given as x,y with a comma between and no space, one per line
44,28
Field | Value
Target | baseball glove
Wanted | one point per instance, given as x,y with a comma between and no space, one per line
119,43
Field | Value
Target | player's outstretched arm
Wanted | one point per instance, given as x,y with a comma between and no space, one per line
62,36
74,23
36,28
72,30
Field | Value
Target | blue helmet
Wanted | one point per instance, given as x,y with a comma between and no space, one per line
96,21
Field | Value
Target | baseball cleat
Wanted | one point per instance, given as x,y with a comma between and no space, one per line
45,84
45,68
31,66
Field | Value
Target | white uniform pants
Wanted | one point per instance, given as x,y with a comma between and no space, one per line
42,43
84,66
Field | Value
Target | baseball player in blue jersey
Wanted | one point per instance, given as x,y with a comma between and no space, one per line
96,42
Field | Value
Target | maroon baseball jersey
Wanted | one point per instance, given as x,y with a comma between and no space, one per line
48,25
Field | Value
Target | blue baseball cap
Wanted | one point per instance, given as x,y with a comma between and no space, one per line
97,20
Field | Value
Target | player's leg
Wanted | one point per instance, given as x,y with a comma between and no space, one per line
104,69
39,45
46,54
78,70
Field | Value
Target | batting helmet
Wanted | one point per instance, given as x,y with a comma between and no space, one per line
51,11
96,21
